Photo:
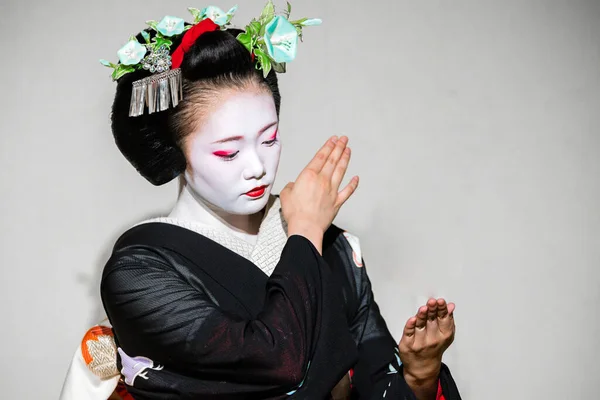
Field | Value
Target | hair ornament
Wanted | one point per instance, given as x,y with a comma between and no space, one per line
271,39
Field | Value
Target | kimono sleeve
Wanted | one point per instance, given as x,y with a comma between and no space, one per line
83,382
156,314
378,372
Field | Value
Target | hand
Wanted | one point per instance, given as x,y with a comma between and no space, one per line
310,204
425,338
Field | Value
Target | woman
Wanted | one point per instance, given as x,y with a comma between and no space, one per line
238,293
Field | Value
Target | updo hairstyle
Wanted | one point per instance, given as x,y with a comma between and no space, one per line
152,143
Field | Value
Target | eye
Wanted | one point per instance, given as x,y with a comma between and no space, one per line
226,155
270,143
272,140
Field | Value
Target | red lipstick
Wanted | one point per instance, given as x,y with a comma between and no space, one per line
257,192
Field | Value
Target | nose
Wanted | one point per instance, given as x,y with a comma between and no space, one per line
254,168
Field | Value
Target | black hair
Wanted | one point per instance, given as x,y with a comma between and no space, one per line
152,143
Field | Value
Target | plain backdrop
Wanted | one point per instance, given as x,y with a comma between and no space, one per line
475,127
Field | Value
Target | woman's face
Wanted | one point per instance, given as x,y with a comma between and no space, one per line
234,154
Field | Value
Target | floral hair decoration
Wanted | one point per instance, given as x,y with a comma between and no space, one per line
271,39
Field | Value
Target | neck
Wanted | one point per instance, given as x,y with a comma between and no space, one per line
191,207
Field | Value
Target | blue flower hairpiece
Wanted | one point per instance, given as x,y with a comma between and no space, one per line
271,39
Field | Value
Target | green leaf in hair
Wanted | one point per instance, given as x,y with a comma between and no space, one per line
245,39
253,28
278,67
298,21
159,40
264,60
121,70
152,24
268,12
266,69
195,13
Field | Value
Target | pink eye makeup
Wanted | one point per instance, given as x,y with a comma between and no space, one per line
226,154
272,139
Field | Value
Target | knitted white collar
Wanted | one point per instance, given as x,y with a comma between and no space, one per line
271,239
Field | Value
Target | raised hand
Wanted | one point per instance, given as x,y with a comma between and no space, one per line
426,337
310,204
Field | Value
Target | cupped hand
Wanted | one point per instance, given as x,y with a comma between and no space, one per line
426,337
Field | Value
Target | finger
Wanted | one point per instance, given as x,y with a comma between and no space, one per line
347,192
447,324
431,309
341,168
442,309
334,156
451,307
409,328
420,331
421,318
316,164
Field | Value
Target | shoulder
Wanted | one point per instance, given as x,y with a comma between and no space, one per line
152,232
157,252
153,241
343,243
140,255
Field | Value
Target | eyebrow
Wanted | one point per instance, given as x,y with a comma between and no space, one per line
229,139
236,138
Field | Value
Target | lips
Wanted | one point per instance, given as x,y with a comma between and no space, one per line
257,191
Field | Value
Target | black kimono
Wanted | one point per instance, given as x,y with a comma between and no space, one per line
194,320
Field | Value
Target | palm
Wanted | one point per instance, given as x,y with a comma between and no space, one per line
425,338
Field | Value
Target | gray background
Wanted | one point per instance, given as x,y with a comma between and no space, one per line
475,128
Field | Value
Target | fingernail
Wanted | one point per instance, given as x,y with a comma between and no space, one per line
334,139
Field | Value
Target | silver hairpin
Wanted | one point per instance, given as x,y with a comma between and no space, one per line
158,92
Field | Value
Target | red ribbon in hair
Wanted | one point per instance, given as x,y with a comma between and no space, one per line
188,40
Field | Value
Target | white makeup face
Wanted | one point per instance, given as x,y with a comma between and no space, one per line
234,155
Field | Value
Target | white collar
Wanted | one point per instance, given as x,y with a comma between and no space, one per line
269,243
